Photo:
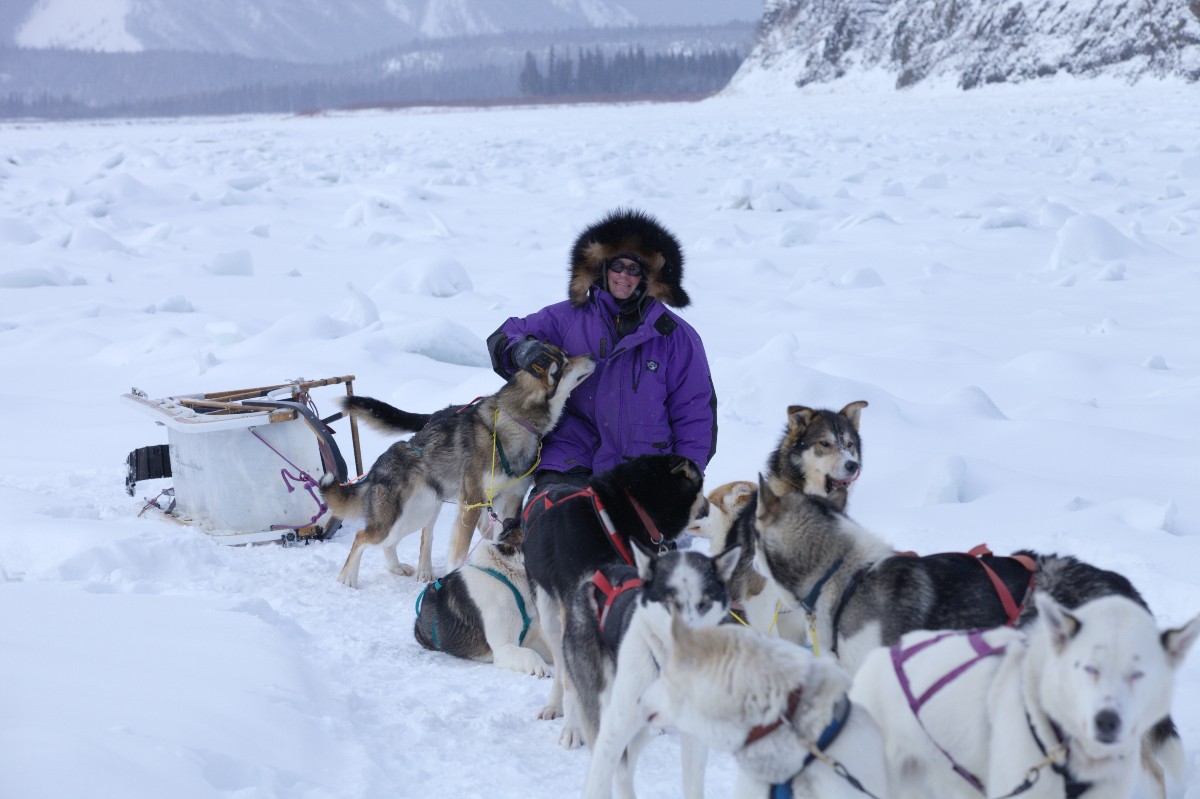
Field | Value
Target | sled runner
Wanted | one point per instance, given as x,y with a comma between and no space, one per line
245,464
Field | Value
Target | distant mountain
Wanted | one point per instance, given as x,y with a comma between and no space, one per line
307,31
973,42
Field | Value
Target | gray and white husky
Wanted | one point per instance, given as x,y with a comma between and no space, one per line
783,713
452,457
861,594
484,611
1060,708
612,644
819,453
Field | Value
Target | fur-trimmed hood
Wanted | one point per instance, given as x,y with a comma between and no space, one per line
629,231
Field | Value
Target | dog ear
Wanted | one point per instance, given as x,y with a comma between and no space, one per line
688,469
852,411
1177,642
799,418
768,502
726,562
1060,624
643,560
739,496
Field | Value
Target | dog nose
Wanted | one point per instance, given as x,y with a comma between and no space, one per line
851,467
1108,724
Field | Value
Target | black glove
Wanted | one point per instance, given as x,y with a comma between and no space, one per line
533,355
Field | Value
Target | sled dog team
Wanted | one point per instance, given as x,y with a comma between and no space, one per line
828,663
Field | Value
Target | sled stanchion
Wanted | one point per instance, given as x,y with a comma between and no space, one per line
358,467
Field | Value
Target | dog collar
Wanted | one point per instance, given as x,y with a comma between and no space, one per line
763,730
1072,787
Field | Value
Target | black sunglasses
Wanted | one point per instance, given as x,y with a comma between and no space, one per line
631,269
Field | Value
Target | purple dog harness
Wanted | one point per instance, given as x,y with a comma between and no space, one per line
982,650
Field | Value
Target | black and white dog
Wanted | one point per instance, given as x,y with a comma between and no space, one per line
613,644
483,610
569,532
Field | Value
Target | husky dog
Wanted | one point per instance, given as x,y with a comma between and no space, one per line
783,713
862,594
483,609
613,643
820,453
452,457
1064,704
570,532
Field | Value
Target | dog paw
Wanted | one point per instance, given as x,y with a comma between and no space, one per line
571,738
348,580
404,570
550,712
425,576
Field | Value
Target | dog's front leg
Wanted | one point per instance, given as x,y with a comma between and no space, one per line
464,528
620,722
551,617
695,760
425,559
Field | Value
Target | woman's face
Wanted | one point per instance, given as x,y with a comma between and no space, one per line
622,284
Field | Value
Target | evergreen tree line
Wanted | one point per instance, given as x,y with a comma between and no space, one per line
182,84
628,72
477,84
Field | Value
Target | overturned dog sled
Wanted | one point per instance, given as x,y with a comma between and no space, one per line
245,464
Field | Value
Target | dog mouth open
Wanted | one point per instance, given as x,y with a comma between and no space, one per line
832,483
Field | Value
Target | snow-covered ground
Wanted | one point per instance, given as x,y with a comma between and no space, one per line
1010,277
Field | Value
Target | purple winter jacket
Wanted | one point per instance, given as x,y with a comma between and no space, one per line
652,391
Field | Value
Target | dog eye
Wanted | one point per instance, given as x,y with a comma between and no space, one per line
1135,676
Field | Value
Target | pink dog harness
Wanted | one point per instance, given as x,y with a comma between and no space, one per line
981,649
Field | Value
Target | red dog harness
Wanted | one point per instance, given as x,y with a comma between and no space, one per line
610,592
544,501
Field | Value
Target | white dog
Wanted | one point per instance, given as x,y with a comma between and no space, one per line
1063,703
617,626
783,713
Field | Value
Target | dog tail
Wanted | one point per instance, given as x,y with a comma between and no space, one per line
342,498
383,417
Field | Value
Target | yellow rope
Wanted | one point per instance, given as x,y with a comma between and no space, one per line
492,487
812,633
739,618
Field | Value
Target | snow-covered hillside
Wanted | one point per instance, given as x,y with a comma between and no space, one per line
973,42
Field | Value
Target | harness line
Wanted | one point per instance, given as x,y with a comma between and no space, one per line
492,488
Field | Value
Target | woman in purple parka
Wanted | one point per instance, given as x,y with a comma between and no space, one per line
652,391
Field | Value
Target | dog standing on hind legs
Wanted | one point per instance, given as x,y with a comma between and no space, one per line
485,451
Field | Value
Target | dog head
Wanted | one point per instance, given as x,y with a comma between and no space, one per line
669,488
560,373
1107,674
507,541
687,584
820,453
724,504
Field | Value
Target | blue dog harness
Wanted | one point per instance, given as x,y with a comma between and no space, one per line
436,585
841,712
